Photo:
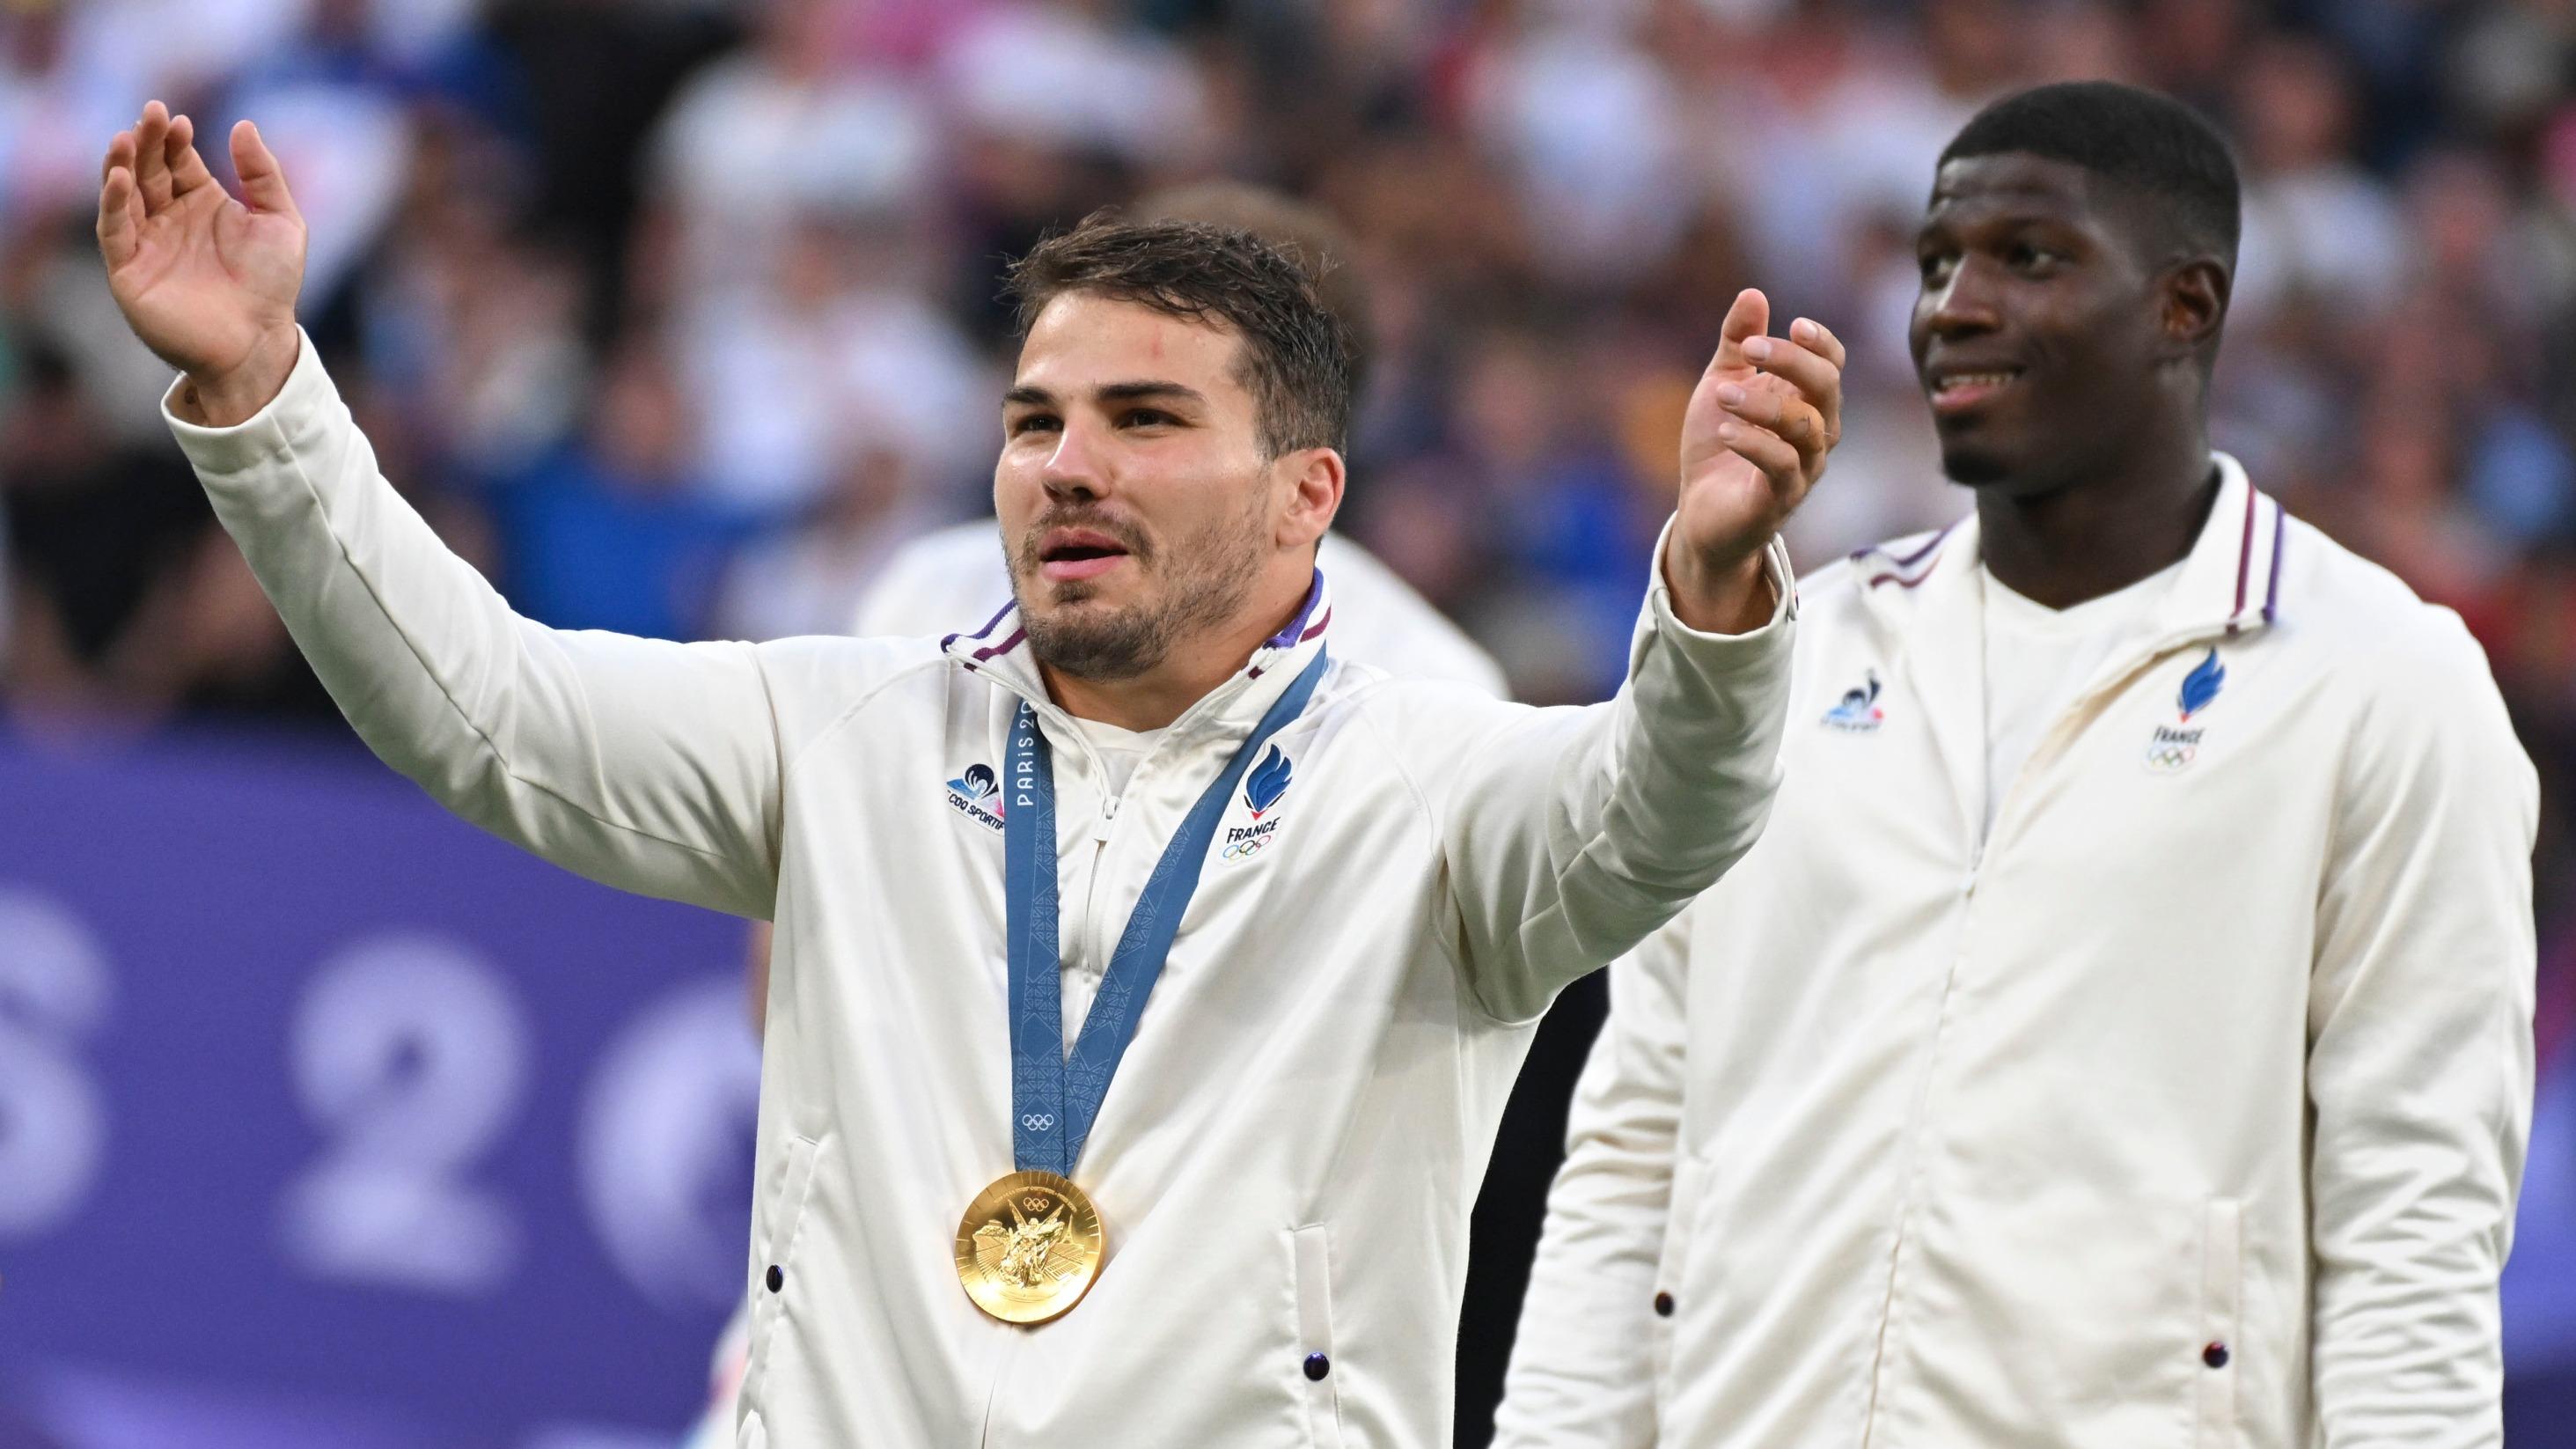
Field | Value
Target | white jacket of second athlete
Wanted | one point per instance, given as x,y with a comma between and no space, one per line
2187,1107
1285,1161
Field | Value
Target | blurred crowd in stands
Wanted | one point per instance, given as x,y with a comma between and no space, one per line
678,316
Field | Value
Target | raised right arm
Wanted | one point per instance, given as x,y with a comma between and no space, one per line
647,765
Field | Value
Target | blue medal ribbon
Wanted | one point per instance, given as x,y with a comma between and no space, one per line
1054,1097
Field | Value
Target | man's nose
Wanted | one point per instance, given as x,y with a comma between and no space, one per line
1076,467
1966,304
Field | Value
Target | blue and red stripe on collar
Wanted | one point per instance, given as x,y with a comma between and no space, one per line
1006,645
1909,570
2245,561
1312,618
1906,571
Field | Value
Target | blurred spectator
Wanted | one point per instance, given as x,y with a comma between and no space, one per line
2316,225
1075,76
830,349
784,128
472,328
125,601
803,581
63,76
95,530
609,530
1590,128
335,111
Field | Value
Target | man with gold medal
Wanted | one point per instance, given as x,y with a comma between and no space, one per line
1142,786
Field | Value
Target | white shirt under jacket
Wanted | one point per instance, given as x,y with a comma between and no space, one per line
2188,1108
1286,1160
956,573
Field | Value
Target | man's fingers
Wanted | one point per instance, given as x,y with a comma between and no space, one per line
120,152
1769,404
1817,377
1769,452
152,157
1747,316
187,168
1809,333
263,180
120,217
1750,313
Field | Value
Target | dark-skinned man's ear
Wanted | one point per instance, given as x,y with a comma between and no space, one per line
2196,303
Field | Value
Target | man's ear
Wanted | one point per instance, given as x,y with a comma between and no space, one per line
2195,304
1315,477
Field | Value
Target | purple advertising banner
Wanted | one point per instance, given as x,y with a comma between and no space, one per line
327,1120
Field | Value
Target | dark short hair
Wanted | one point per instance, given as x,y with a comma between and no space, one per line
1296,358
1309,234
2151,145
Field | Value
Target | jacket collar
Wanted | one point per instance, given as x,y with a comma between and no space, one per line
2230,582
1926,597
999,651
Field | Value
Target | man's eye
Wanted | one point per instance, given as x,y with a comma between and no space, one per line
1032,423
1932,265
1148,418
2033,259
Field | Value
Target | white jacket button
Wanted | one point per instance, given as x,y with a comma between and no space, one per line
777,1278
2215,1355
1317,1366
1663,1305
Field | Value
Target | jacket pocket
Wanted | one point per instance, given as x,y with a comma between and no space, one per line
1311,1250
1672,1266
775,1272
2222,1294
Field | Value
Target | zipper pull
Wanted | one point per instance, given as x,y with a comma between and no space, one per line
1108,812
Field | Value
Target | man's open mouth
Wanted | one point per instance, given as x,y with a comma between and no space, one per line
1956,389
1067,554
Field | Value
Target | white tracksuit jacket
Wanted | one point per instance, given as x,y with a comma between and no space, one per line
2188,1109
1285,1162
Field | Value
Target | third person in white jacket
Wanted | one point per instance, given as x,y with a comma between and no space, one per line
2122,1034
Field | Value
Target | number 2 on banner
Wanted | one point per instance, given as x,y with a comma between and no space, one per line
412,1052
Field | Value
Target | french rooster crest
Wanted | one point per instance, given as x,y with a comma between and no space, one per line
1858,710
1267,782
2201,685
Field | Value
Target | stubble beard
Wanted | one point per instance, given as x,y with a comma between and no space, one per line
1210,575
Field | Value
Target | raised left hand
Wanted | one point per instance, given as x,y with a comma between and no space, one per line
1764,416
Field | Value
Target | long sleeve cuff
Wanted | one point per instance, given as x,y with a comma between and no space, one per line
266,436
1714,650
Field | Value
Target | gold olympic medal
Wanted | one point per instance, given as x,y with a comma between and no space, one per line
1029,1247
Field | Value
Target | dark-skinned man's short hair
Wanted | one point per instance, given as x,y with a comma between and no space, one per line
2159,150
1296,359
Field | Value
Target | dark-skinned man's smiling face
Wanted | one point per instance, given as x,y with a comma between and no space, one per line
2040,334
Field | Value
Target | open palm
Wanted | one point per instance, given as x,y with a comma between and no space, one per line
206,281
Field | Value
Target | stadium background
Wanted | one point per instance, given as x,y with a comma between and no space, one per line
325,1121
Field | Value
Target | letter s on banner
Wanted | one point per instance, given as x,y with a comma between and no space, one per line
54,991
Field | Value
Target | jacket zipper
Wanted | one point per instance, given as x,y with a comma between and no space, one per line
1094,930
1092,926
